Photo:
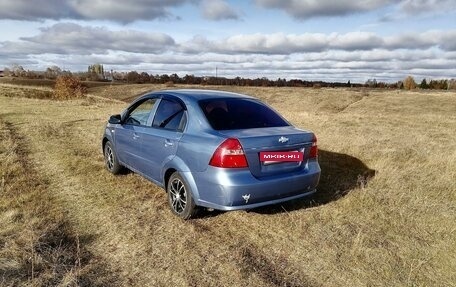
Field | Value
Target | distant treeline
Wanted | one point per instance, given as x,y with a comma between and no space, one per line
98,73
140,78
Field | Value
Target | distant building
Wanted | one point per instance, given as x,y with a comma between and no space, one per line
96,72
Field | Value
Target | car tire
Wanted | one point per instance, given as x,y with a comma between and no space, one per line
110,158
180,198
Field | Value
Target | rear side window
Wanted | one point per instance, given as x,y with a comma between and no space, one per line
233,113
170,115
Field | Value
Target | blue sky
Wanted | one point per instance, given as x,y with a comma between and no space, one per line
312,40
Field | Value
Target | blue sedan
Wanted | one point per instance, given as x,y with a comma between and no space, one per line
212,149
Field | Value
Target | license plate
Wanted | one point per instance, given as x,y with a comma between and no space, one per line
271,157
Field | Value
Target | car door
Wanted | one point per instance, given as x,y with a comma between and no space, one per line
129,134
160,141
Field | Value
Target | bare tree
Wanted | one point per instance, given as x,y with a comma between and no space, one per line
409,83
451,84
52,72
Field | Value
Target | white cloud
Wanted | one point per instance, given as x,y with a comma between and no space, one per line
285,44
70,38
425,6
313,56
277,43
355,41
41,9
442,39
305,9
218,10
121,11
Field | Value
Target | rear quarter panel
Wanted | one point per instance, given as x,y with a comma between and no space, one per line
196,150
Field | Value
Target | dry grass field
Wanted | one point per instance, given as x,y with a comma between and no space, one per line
385,213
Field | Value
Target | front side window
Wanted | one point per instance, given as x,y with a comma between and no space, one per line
140,114
170,115
234,113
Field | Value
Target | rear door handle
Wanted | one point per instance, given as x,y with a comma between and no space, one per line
135,136
168,143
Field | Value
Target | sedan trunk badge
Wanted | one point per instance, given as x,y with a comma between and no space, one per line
283,139
246,197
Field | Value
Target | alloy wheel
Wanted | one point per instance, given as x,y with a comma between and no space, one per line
109,157
178,195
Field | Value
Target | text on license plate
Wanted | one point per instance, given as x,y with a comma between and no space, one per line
268,157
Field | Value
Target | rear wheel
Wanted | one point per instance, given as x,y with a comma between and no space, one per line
111,162
180,197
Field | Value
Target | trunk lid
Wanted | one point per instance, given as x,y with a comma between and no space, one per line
273,139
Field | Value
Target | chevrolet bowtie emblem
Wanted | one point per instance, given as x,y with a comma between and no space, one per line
283,139
246,197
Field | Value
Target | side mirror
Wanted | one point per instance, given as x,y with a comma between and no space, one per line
115,119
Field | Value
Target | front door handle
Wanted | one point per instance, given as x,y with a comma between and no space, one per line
135,136
168,143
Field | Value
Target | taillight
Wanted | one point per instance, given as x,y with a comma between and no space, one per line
314,148
229,155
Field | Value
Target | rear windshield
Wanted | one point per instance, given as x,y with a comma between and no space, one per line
233,114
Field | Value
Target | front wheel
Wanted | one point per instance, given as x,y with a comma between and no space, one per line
180,197
111,162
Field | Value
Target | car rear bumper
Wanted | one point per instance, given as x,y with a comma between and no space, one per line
233,189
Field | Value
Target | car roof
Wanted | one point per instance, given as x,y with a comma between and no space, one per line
196,95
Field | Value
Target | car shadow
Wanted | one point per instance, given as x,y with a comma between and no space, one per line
340,174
